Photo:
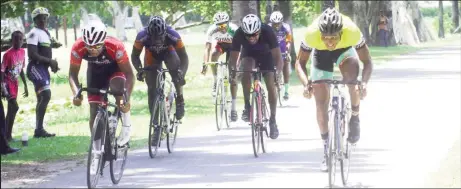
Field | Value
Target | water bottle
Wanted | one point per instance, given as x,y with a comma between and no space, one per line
25,139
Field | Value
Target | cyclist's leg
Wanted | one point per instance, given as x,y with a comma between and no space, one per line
266,62
151,77
247,64
233,86
286,74
117,84
217,51
40,77
322,69
349,67
173,63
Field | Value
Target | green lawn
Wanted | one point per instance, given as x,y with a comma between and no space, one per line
71,125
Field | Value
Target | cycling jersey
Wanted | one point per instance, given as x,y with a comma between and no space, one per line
157,52
38,72
215,35
350,37
104,67
12,65
261,51
283,36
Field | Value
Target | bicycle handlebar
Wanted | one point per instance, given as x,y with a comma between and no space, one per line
218,62
336,82
99,91
155,66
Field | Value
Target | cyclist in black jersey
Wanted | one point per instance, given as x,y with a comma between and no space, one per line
258,46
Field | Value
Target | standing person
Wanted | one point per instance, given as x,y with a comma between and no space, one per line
11,69
4,147
39,52
383,31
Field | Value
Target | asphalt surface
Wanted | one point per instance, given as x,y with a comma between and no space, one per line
410,123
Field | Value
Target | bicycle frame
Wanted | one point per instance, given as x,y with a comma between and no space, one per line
160,92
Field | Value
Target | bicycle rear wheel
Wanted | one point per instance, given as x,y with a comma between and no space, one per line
255,124
173,131
219,106
117,164
99,124
332,148
155,129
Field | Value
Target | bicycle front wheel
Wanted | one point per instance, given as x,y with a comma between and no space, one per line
95,154
227,103
279,93
155,129
332,147
255,124
117,164
173,131
219,106
265,120
346,154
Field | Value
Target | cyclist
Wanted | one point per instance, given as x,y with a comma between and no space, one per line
259,48
12,67
221,34
333,39
162,44
39,52
108,66
283,33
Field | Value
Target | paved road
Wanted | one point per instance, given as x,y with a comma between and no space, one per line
410,121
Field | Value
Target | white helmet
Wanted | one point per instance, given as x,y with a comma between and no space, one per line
94,33
221,17
38,11
276,17
251,24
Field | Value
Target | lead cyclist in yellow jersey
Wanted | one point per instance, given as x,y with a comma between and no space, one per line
333,39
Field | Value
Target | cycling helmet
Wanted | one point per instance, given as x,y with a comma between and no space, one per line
276,17
39,11
221,17
251,24
157,26
94,33
330,21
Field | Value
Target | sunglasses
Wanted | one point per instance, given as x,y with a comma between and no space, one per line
222,26
252,35
95,47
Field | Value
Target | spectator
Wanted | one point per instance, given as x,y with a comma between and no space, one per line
11,69
4,147
383,32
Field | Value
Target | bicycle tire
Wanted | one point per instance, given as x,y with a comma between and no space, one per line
219,108
124,149
171,140
255,128
264,131
92,182
345,160
332,150
153,128
227,105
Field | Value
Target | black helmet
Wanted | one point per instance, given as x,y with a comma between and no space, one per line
157,26
330,21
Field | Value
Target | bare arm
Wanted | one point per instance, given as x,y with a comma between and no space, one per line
277,55
365,57
23,78
301,71
136,61
73,77
129,84
32,52
206,57
184,58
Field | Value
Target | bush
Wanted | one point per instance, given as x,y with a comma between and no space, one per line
447,23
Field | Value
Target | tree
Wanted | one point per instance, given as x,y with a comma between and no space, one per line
455,14
242,8
441,30
285,8
327,3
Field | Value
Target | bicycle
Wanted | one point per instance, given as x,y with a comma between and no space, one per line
280,81
105,122
259,123
339,114
162,122
221,99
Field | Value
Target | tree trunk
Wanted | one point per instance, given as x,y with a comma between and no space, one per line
56,28
242,8
455,14
364,15
137,19
346,7
64,26
74,25
403,27
327,3
268,11
120,12
258,7
441,29
422,29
